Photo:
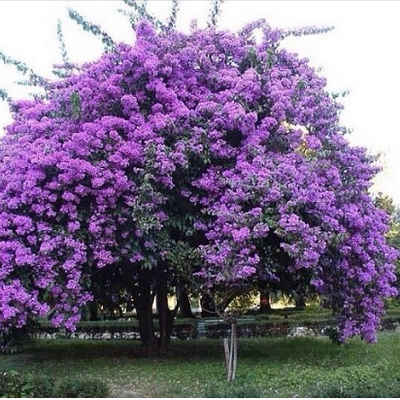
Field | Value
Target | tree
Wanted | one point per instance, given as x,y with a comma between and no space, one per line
203,158
386,203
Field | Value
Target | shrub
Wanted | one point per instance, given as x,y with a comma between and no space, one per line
376,388
14,340
15,384
70,387
237,389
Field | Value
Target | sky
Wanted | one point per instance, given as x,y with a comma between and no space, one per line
361,55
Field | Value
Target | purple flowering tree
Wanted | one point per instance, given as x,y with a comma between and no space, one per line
202,157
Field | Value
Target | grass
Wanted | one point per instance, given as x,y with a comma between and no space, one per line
283,367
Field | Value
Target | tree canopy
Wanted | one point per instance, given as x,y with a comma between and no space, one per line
205,156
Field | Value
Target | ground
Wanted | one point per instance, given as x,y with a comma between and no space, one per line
283,367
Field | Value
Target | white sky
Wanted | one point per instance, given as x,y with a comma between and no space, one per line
360,55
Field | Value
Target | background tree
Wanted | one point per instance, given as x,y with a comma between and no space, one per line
386,203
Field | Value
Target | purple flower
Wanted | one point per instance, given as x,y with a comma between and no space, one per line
241,234
204,149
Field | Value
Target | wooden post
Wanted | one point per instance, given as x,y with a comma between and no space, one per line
231,354
234,349
226,353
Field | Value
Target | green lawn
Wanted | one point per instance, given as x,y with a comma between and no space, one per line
284,367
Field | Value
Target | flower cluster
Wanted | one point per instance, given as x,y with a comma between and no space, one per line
240,136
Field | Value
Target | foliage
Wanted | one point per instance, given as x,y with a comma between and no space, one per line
173,16
240,389
215,11
106,39
71,387
60,38
3,94
15,339
187,328
386,203
243,301
22,68
17,384
363,386
206,144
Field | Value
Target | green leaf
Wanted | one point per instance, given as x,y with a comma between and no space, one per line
174,13
34,79
87,26
214,13
76,104
61,42
4,95
141,10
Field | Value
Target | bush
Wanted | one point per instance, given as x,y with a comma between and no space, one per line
235,389
14,340
377,388
70,387
15,384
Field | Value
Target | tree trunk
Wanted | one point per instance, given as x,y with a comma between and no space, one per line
265,305
93,311
230,351
164,313
185,310
299,300
143,303
207,306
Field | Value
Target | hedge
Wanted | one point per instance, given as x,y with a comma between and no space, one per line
257,326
